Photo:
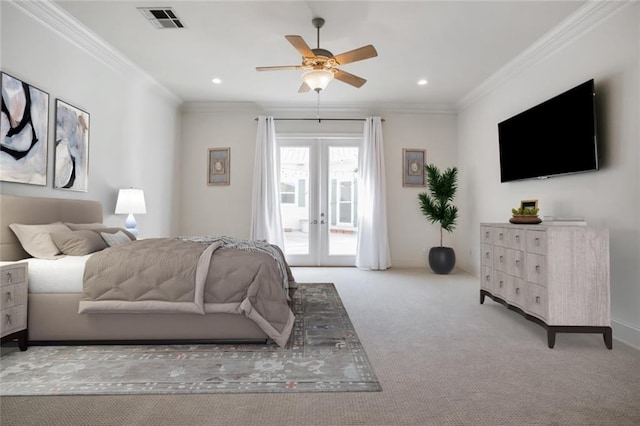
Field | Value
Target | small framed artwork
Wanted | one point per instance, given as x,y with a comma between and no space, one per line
71,148
218,171
529,204
24,132
413,161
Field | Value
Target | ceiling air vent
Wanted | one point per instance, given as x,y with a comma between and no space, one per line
161,17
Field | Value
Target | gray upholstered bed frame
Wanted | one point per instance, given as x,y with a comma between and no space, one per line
53,317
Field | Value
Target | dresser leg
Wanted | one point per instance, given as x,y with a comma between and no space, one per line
551,337
608,337
481,297
22,340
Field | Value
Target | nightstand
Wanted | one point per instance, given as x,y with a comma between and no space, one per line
13,302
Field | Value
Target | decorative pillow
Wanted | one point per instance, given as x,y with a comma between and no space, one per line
116,239
98,227
36,239
78,243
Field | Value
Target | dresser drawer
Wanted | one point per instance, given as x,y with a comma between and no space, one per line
515,291
515,263
486,234
537,269
13,319
499,259
516,238
487,255
536,302
486,279
13,275
12,295
500,284
500,237
537,242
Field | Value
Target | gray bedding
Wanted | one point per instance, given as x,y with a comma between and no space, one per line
173,276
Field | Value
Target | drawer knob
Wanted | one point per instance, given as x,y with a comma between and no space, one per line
8,297
487,254
517,262
517,237
537,268
501,283
536,241
500,236
9,277
517,290
538,299
501,258
486,234
7,319
487,277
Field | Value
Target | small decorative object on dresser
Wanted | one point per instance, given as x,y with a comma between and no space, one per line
13,302
527,213
555,276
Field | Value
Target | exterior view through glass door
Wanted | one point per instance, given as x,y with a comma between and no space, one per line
319,200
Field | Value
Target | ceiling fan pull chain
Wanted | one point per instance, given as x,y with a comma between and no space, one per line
318,108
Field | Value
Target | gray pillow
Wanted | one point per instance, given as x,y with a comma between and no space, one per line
36,239
116,239
78,243
99,227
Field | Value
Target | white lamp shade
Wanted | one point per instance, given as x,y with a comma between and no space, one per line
317,79
131,201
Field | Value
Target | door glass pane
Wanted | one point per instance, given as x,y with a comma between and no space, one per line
294,198
343,170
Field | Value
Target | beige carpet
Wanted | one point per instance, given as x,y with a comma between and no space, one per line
440,356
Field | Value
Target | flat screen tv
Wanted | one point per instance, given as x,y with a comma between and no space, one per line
557,137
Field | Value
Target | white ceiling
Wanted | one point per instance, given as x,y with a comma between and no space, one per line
455,45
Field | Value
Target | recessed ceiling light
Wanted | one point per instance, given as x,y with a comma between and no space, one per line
422,82
216,81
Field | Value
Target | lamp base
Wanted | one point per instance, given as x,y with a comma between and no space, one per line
131,225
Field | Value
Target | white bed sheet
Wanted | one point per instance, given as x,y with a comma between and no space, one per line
63,275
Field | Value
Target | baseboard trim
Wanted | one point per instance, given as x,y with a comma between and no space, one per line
626,333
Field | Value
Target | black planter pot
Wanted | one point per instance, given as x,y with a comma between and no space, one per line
442,259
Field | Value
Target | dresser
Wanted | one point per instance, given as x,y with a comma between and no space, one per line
13,302
555,276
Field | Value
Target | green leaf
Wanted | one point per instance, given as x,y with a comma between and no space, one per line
436,205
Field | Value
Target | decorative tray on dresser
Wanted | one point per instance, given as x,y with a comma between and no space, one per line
555,276
13,302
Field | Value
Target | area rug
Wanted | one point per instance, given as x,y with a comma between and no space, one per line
324,354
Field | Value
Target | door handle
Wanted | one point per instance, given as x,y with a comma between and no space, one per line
322,222
315,222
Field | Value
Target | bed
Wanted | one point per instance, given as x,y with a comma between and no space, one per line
53,317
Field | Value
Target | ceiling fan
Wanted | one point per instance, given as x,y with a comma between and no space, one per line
322,65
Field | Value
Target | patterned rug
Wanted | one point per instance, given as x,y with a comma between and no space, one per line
324,354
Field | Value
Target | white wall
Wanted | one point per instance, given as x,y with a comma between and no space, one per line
610,197
214,210
133,127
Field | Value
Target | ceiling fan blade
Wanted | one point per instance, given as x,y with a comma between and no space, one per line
349,78
304,88
301,46
354,55
284,67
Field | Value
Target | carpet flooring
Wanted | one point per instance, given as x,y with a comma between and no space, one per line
324,354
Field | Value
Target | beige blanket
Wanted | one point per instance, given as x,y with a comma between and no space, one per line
167,275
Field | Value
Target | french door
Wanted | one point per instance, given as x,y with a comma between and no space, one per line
319,200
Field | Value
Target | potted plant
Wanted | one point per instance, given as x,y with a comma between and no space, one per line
438,208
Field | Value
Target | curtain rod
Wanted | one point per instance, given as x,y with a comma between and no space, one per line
319,119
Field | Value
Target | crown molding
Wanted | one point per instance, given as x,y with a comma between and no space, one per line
579,23
220,107
49,14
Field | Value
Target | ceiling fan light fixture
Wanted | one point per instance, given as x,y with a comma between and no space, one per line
317,79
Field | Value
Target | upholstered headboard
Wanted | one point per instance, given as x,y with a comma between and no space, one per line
36,211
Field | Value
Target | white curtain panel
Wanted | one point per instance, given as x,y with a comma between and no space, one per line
266,221
373,241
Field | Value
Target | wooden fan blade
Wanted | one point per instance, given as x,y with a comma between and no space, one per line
349,78
284,67
304,88
359,54
301,46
